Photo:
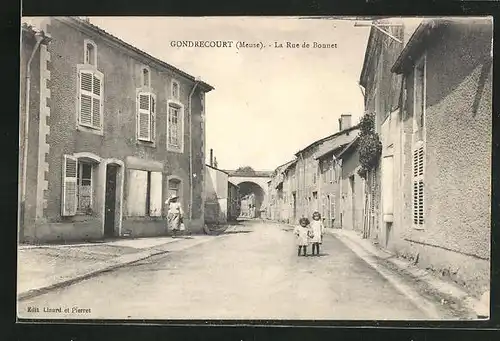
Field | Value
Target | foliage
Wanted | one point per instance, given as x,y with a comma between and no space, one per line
370,147
245,170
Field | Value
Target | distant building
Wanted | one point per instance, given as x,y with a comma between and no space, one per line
216,195
311,182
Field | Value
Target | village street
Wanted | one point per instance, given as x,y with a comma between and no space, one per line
251,272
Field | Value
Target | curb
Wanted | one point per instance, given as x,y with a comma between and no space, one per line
101,267
443,289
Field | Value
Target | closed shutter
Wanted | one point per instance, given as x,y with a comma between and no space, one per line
153,118
86,98
97,101
155,194
91,89
418,186
137,191
143,119
69,186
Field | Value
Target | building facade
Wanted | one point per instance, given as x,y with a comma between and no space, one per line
216,195
434,176
311,182
115,132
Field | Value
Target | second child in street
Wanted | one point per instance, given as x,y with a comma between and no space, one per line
318,231
301,231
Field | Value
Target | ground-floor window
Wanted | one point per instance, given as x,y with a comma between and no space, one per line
84,187
144,193
78,186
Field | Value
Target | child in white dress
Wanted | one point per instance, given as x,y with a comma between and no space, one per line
301,232
317,230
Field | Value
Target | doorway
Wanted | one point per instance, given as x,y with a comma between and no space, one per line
353,201
110,201
294,199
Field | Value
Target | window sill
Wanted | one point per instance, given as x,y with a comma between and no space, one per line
86,129
150,144
417,228
175,150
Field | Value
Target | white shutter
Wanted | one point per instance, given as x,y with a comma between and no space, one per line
155,194
69,186
137,191
153,117
97,101
418,186
85,116
143,117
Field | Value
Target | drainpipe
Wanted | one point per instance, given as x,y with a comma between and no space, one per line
39,36
191,175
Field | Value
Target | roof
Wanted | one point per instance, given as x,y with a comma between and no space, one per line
83,24
329,151
217,169
424,31
353,144
285,166
292,163
420,35
315,143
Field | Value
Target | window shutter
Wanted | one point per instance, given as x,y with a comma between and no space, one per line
137,191
97,101
155,196
143,118
418,186
69,188
86,98
153,118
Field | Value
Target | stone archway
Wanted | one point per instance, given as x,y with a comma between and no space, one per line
249,190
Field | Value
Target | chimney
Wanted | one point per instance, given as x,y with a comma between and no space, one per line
211,157
344,122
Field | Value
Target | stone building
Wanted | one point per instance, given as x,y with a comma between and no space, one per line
112,132
433,183
311,182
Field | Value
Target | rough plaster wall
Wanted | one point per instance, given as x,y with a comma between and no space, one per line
459,156
121,78
458,153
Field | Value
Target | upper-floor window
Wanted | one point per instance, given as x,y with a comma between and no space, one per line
146,77
175,129
175,94
146,116
90,52
419,99
90,98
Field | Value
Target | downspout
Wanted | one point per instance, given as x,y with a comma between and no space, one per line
39,38
191,175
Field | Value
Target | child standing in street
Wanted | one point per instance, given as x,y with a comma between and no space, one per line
317,230
301,232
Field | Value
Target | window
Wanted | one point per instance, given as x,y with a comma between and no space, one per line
175,90
90,56
146,77
146,117
175,127
144,193
418,186
419,99
84,187
90,99
174,187
77,191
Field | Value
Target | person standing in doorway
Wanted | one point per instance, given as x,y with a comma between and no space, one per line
175,214
317,231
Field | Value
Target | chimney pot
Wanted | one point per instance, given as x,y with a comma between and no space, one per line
345,122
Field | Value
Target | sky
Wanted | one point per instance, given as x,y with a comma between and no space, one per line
268,103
